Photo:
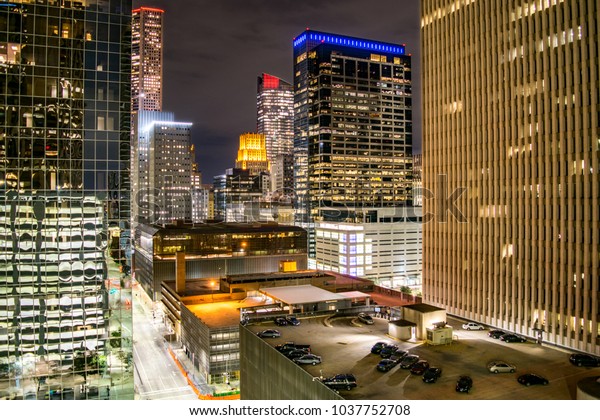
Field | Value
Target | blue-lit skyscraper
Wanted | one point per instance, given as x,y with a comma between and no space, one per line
352,127
65,330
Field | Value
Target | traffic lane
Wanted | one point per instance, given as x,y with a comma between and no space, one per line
157,376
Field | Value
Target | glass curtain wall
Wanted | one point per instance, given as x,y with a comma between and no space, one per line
65,299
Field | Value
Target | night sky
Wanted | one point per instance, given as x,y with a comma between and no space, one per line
215,49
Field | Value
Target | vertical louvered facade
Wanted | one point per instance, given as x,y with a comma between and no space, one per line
511,114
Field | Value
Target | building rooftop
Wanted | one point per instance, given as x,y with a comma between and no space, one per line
295,295
403,323
223,313
248,278
218,228
355,295
423,307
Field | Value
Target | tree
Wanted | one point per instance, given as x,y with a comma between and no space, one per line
406,289
89,363
115,339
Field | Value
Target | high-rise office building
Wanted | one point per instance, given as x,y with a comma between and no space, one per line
352,127
163,173
64,199
146,95
252,154
418,180
236,192
147,59
275,115
511,116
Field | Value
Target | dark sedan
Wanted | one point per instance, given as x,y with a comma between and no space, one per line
432,374
292,320
420,367
532,379
580,359
512,338
496,333
398,355
409,361
464,384
376,349
386,365
387,351
280,322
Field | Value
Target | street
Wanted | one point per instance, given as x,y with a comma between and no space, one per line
156,376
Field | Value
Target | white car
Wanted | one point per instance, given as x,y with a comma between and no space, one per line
472,326
501,367
365,318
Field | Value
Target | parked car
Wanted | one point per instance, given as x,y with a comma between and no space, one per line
409,361
420,367
376,349
292,320
472,326
280,322
501,367
386,365
398,355
342,381
581,359
295,353
512,338
496,333
269,334
432,374
532,379
290,345
387,351
308,359
366,318
464,384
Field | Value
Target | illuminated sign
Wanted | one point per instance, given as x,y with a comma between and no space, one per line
349,42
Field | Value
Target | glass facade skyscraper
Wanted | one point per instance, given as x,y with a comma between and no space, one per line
65,70
352,127
275,115
147,59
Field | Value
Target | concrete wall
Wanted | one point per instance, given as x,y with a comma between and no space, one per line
400,332
195,336
265,374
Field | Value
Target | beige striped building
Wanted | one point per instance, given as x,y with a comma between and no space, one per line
511,113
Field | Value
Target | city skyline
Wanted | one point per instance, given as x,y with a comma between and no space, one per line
507,239
218,94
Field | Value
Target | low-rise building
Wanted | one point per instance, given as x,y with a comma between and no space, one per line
386,247
214,250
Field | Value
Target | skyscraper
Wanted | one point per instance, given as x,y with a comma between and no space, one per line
64,199
252,154
511,116
275,115
352,126
163,181
147,59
